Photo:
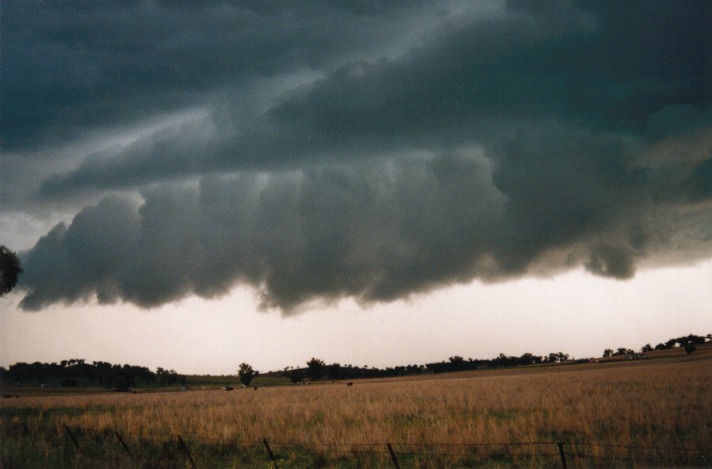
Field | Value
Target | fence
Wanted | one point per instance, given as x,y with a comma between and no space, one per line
62,446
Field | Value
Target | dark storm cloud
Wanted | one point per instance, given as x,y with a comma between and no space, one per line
365,231
470,80
699,184
368,151
69,66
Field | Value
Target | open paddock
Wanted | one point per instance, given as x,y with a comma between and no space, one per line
637,413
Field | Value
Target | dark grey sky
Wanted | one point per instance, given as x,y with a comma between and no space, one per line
320,150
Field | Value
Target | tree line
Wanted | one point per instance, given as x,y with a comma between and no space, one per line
316,369
688,342
77,372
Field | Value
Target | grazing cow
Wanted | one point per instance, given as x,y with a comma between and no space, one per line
349,384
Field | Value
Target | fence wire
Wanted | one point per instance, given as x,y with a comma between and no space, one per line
121,448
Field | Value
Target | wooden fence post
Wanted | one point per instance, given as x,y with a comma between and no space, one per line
561,453
121,440
269,452
185,448
393,456
74,440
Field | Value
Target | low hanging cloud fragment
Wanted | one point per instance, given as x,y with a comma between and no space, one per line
612,261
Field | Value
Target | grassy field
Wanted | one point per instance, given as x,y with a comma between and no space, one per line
655,412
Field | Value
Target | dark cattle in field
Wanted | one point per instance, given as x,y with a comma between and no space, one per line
349,384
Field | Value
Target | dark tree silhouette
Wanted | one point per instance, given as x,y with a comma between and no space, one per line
623,351
557,357
168,377
457,363
78,371
295,376
124,381
529,359
10,269
316,369
246,373
333,371
690,347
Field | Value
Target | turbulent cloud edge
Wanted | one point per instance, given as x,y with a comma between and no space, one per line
376,233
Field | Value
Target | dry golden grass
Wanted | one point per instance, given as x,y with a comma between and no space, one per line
664,404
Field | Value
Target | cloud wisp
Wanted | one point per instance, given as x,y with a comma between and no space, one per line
422,146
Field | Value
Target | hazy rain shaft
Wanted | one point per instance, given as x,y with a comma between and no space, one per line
316,152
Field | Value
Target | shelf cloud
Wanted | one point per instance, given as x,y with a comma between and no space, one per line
316,151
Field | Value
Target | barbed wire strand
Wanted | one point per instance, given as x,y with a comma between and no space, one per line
430,448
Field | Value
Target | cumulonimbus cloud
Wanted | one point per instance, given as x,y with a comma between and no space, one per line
494,143
373,232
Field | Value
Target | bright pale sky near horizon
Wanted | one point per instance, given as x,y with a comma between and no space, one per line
194,185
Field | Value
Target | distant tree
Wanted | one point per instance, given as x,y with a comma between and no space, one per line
646,348
608,353
125,380
695,339
529,359
296,376
333,371
690,347
246,373
504,360
167,377
315,369
557,357
672,343
457,362
10,269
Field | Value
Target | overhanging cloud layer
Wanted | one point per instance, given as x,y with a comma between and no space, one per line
316,152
